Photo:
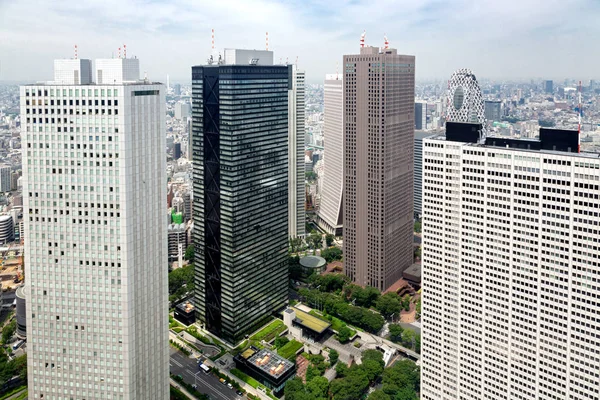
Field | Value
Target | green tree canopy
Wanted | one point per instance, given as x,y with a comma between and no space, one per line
333,356
395,333
331,254
388,304
189,253
344,334
379,395
329,239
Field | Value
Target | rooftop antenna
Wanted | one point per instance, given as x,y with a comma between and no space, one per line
213,39
296,60
337,70
579,121
76,52
267,41
124,51
362,38
280,60
286,61
386,43
119,52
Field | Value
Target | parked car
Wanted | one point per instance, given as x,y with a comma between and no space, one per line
230,386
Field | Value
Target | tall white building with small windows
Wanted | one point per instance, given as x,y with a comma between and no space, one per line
296,169
96,248
511,270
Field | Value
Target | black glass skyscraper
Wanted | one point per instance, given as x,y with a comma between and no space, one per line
240,150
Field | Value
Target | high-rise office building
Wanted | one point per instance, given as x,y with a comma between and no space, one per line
5,178
177,89
418,170
296,174
94,192
464,99
379,93
493,110
549,86
510,268
182,110
330,215
240,145
420,115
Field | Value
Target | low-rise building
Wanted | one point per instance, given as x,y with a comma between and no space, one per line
267,367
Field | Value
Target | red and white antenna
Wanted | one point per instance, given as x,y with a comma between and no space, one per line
76,52
119,52
124,51
296,60
579,120
267,39
386,43
212,34
337,70
362,38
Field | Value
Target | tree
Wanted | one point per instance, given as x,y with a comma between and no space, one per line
316,240
295,390
352,386
417,226
388,304
344,334
396,333
364,297
317,387
418,308
372,368
329,239
8,331
402,374
180,277
406,302
189,253
408,338
333,356
331,254
379,395
281,341
295,244
341,370
417,254
311,373
418,343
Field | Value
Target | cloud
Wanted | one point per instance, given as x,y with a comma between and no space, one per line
499,39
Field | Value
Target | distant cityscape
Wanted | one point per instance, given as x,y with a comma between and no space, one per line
245,234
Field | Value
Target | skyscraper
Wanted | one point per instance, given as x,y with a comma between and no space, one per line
5,178
379,93
94,192
296,174
330,215
493,110
420,115
510,265
240,145
549,86
418,170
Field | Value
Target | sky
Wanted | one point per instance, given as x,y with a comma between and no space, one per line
497,39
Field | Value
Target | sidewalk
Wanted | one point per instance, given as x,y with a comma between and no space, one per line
176,385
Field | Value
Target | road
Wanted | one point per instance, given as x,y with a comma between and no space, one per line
180,364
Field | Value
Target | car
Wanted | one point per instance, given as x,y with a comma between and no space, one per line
194,386
239,393
223,381
230,386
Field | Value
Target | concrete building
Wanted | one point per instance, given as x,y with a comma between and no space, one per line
493,110
240,191
296,167
183,110
176,151
7,229
5,178
72,72
421,115
510,261
97,322
21,311
177,89
330,216
418,171
176,236
379,92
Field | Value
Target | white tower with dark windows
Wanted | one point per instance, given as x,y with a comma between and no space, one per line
94,190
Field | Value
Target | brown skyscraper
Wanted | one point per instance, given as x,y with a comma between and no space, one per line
379,93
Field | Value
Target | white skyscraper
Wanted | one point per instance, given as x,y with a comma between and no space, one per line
296,101
96,249
510,269
330,210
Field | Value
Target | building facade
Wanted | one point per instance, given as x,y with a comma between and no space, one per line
240,144
379,92
5,178
96,249
418,171
421,115
510,270
330,215
493,110
296,168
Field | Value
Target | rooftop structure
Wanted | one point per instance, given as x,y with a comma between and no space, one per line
311,322
267,367
271,363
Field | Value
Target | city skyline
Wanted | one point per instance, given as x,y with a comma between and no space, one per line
457,32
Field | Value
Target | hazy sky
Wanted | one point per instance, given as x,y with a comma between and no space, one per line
495,38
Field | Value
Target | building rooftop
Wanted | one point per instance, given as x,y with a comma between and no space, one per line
310,321
312,261
185,307
267,361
